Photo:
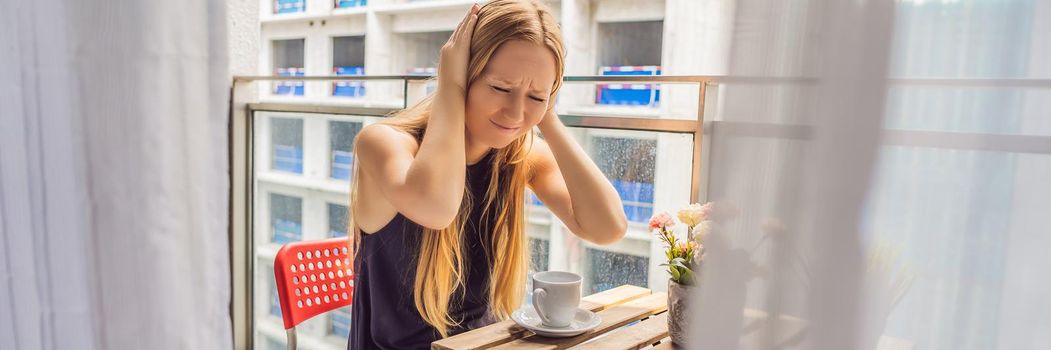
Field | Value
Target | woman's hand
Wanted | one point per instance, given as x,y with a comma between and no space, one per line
550,119
452,64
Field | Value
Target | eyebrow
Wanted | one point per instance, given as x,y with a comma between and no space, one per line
508,82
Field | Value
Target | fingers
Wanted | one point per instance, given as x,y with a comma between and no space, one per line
469,31
465,28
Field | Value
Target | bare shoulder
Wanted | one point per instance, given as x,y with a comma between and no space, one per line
382,151
379,141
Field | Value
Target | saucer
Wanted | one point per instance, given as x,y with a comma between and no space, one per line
583,321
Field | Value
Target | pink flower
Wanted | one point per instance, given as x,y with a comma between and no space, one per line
661,221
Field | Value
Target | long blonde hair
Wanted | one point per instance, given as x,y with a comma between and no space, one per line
440,266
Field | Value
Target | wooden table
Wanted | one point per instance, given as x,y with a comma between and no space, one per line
617,307
626,304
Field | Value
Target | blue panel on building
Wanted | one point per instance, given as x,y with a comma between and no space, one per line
341,322
349,88
342,163
288,158
629,94
286,231
350,3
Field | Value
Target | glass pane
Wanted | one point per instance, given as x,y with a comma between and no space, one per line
348,58
275,305
337,220
629,164
422,51
651,172
287,143
630,43
629,48
297,199
608,270
341,139
539,251
340,322
288,58
286,217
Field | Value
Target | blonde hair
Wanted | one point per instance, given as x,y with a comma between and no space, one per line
440,266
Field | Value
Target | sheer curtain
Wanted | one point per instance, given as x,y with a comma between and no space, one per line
886,184
113,175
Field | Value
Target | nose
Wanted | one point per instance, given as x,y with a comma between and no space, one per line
514,111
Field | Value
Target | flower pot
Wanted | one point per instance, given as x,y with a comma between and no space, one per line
678,312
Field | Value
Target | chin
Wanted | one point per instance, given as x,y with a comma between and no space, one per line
499,144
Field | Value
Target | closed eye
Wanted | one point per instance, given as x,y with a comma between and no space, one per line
503,90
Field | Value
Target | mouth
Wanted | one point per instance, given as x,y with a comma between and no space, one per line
503,128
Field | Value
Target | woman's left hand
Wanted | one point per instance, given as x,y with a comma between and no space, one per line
550,118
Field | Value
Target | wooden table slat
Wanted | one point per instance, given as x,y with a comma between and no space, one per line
612,319
612,297
664,345
641,335
506,331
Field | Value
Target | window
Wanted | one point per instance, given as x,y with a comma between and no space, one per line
608,270
337,220
539,254
286,217
348,58
288,57
629,48
301,194
421,56
287,144
304,161
341,140
275,304
629,164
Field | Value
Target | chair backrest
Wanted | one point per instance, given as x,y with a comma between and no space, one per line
312,278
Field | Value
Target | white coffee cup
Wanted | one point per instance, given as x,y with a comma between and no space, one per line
556,297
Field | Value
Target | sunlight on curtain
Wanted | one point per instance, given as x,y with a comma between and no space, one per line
869,206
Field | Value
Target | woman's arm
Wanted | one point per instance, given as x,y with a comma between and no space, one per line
426,184
573,187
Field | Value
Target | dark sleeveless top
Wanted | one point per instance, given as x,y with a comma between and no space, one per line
383,311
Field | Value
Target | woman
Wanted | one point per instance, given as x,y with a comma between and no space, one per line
438,200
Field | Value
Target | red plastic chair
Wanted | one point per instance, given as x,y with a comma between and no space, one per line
312,278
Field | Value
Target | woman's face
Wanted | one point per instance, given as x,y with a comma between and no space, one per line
511,95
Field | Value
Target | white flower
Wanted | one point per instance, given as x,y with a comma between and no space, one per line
694,213
701,231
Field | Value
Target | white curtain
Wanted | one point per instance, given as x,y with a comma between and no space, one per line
894,196
113,175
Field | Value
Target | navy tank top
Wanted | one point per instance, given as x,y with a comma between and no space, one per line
383,313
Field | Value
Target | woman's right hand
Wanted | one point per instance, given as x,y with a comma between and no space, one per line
452,65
